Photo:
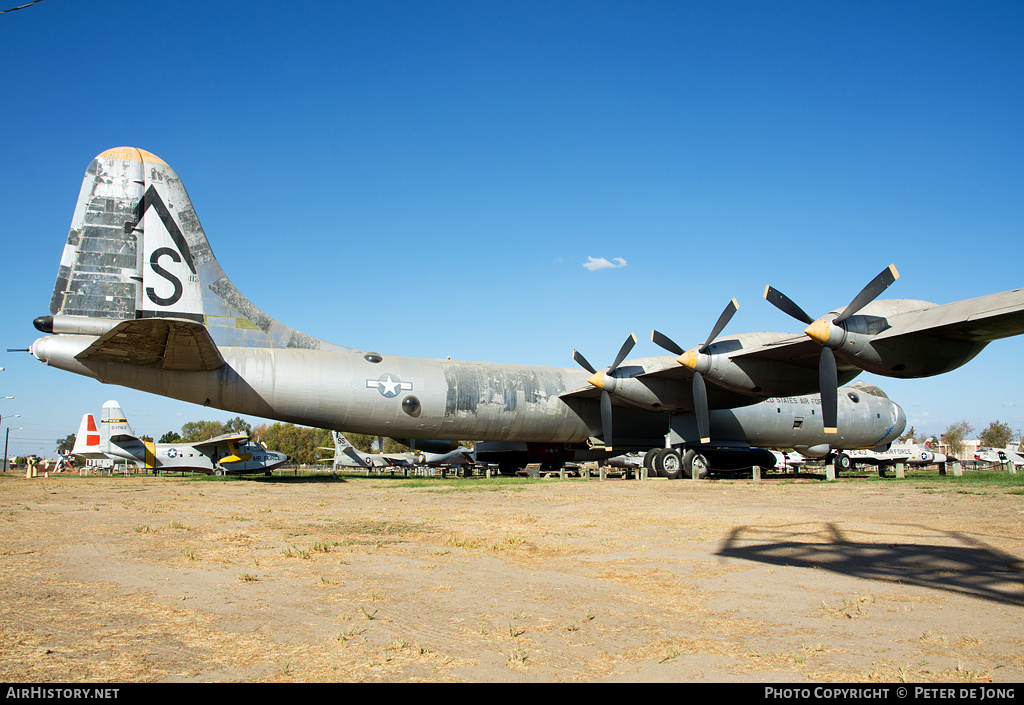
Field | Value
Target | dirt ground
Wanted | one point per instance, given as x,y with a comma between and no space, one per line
171,579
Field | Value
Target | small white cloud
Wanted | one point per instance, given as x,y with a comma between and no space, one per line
596,263
1010,403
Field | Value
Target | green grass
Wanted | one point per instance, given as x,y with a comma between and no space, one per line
971,480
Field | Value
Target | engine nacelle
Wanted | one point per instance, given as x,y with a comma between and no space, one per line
751,375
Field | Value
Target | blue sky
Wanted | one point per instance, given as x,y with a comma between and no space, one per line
431,178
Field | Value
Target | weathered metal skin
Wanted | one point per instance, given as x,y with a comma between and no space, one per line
496,402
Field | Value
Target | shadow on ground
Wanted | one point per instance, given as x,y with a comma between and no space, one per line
963,564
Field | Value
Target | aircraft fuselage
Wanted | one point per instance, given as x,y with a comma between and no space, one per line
421,398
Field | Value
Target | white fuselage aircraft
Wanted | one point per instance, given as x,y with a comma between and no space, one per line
114,439
141,301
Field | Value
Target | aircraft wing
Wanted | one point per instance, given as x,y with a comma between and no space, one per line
222,440
798,350
671,383
680,380
979,320
166,343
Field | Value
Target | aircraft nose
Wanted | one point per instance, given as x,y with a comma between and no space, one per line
899,422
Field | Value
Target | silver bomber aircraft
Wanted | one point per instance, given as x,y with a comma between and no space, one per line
141,301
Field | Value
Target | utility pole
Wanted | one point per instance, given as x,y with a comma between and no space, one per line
7,438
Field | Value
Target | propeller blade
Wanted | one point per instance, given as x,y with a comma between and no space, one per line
582,361
869,293
666,343
623,351
606,418
785,304
730,310
828,386
700,408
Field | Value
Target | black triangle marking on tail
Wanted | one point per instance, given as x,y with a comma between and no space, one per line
152,198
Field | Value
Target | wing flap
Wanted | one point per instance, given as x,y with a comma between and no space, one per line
167,343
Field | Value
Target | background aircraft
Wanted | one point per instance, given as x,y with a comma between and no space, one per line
231,452
348,456
790,459
907,453
141,301
1000,456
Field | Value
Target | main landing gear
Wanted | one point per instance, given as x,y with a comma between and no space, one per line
668,462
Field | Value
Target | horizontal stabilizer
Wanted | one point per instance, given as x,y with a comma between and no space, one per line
166,343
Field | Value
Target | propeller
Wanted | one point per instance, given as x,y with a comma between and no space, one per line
606,383
828,332
692,359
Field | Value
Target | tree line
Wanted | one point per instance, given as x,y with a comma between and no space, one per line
997,434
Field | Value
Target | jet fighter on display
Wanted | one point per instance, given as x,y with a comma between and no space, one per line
905,453
141,301
347,455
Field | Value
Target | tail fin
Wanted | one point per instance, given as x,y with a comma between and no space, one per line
136,250
118,439
342,445
87,442
113,424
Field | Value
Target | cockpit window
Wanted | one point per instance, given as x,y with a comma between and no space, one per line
869,389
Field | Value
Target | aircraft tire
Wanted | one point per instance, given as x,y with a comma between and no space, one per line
649,462
843,462
668,463
695,462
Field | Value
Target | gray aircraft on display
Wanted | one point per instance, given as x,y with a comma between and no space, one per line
141,301
347,455
114,439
